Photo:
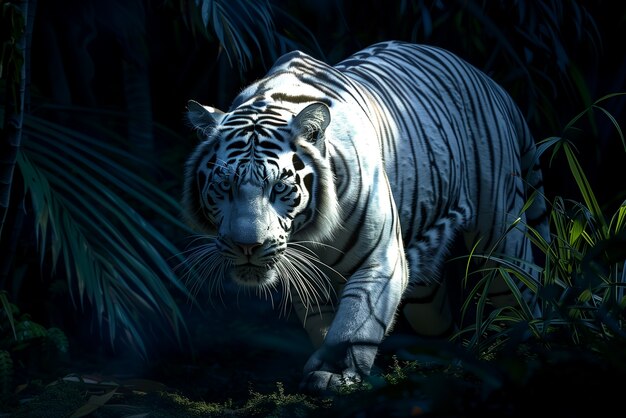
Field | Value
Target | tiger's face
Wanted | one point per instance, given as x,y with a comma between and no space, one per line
254,184
254,205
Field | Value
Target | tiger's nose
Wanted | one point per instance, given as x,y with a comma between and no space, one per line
248,248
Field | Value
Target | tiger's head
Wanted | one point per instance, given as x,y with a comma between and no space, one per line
259,183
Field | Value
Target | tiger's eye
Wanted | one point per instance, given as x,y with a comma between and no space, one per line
280,187
224,185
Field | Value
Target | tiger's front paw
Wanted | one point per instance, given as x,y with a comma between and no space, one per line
321,381
334,366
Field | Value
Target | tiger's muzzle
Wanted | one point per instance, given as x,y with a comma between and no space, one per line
252,275
253,264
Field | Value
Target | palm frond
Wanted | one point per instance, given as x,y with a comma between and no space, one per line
84,197
244,28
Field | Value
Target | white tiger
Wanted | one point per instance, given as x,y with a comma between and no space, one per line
345,183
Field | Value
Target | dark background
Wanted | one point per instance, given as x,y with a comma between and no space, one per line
148,58
118,74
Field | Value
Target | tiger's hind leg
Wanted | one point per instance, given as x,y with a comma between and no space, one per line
426,304
431,304
427,309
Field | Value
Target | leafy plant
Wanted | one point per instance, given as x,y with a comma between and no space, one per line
240,27
249,29
587,261
581,287
85,200
19,334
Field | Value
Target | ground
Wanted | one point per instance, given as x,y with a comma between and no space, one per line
248,362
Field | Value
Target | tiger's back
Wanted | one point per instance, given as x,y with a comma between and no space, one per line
451,138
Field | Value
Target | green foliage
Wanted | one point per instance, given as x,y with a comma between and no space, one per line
78,398
85,196
27,332
58,339
275,404
23,341
248,30
19,332
400,370
174,404
278,404
584,276
241,27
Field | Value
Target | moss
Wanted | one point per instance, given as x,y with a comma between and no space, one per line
276,404
280,404
62,399
167,405
57,400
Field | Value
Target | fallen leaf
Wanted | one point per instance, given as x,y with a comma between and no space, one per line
94,402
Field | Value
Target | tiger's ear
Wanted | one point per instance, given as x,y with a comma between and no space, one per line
203,118
312,121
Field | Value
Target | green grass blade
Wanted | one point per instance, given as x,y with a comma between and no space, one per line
6,306
585,190
618,220
614,122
